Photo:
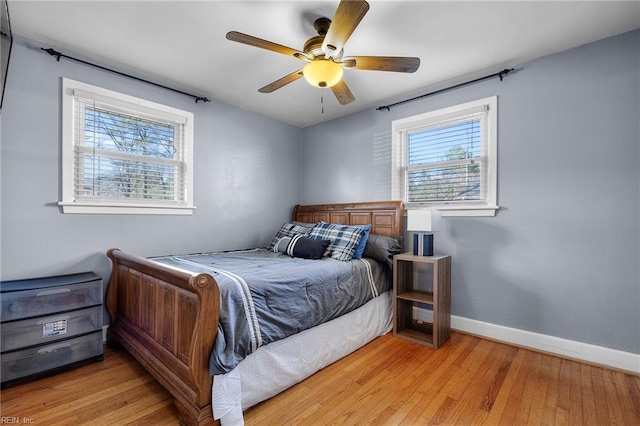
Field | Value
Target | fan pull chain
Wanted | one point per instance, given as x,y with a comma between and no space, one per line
322,103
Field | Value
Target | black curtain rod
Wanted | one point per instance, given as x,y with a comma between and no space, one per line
59,55
500,74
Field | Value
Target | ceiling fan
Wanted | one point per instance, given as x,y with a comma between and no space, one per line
324,53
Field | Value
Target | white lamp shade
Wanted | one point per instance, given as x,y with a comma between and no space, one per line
423,220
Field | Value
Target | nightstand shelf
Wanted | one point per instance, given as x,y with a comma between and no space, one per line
416,297
422,284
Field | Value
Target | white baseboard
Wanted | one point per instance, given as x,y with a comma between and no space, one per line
554,345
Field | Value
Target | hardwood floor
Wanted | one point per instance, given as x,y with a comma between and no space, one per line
468,381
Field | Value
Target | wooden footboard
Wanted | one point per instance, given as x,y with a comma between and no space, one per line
167,320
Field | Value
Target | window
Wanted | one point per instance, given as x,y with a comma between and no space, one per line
446,159
125,155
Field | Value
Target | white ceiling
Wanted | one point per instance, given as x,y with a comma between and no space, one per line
183,44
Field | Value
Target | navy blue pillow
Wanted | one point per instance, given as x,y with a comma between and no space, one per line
306,248
357,253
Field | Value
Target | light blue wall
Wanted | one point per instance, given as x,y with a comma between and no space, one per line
562,255
246,177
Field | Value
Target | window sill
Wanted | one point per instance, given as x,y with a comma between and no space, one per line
91,208
458,211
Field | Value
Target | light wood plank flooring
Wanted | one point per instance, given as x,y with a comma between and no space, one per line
468,381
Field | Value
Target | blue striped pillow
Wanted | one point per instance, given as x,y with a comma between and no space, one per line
344,239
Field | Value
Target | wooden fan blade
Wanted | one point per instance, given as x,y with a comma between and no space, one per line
281,82
265,44
382,63
347,17
342,92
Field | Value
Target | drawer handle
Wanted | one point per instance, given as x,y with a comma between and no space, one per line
53,319
49,349
54,291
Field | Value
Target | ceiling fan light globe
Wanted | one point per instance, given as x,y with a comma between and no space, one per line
322,73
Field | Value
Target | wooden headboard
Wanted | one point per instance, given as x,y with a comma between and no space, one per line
385,217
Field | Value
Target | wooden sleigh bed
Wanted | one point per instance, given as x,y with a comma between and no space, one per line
168,319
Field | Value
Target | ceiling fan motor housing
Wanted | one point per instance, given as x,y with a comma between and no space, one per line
313,46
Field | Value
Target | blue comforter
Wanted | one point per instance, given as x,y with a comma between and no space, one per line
268,296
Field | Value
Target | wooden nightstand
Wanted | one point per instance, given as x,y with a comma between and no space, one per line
425,282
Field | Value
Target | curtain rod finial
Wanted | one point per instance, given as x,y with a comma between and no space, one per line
52,52
504,72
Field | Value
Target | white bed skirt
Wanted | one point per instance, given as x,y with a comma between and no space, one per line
278,366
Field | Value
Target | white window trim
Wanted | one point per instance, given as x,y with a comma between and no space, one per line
71,88
398,128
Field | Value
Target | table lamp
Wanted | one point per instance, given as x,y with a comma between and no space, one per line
423,221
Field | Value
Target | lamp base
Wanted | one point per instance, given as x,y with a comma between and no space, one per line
423,244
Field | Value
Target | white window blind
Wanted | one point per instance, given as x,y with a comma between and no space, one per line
446,159
124,156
